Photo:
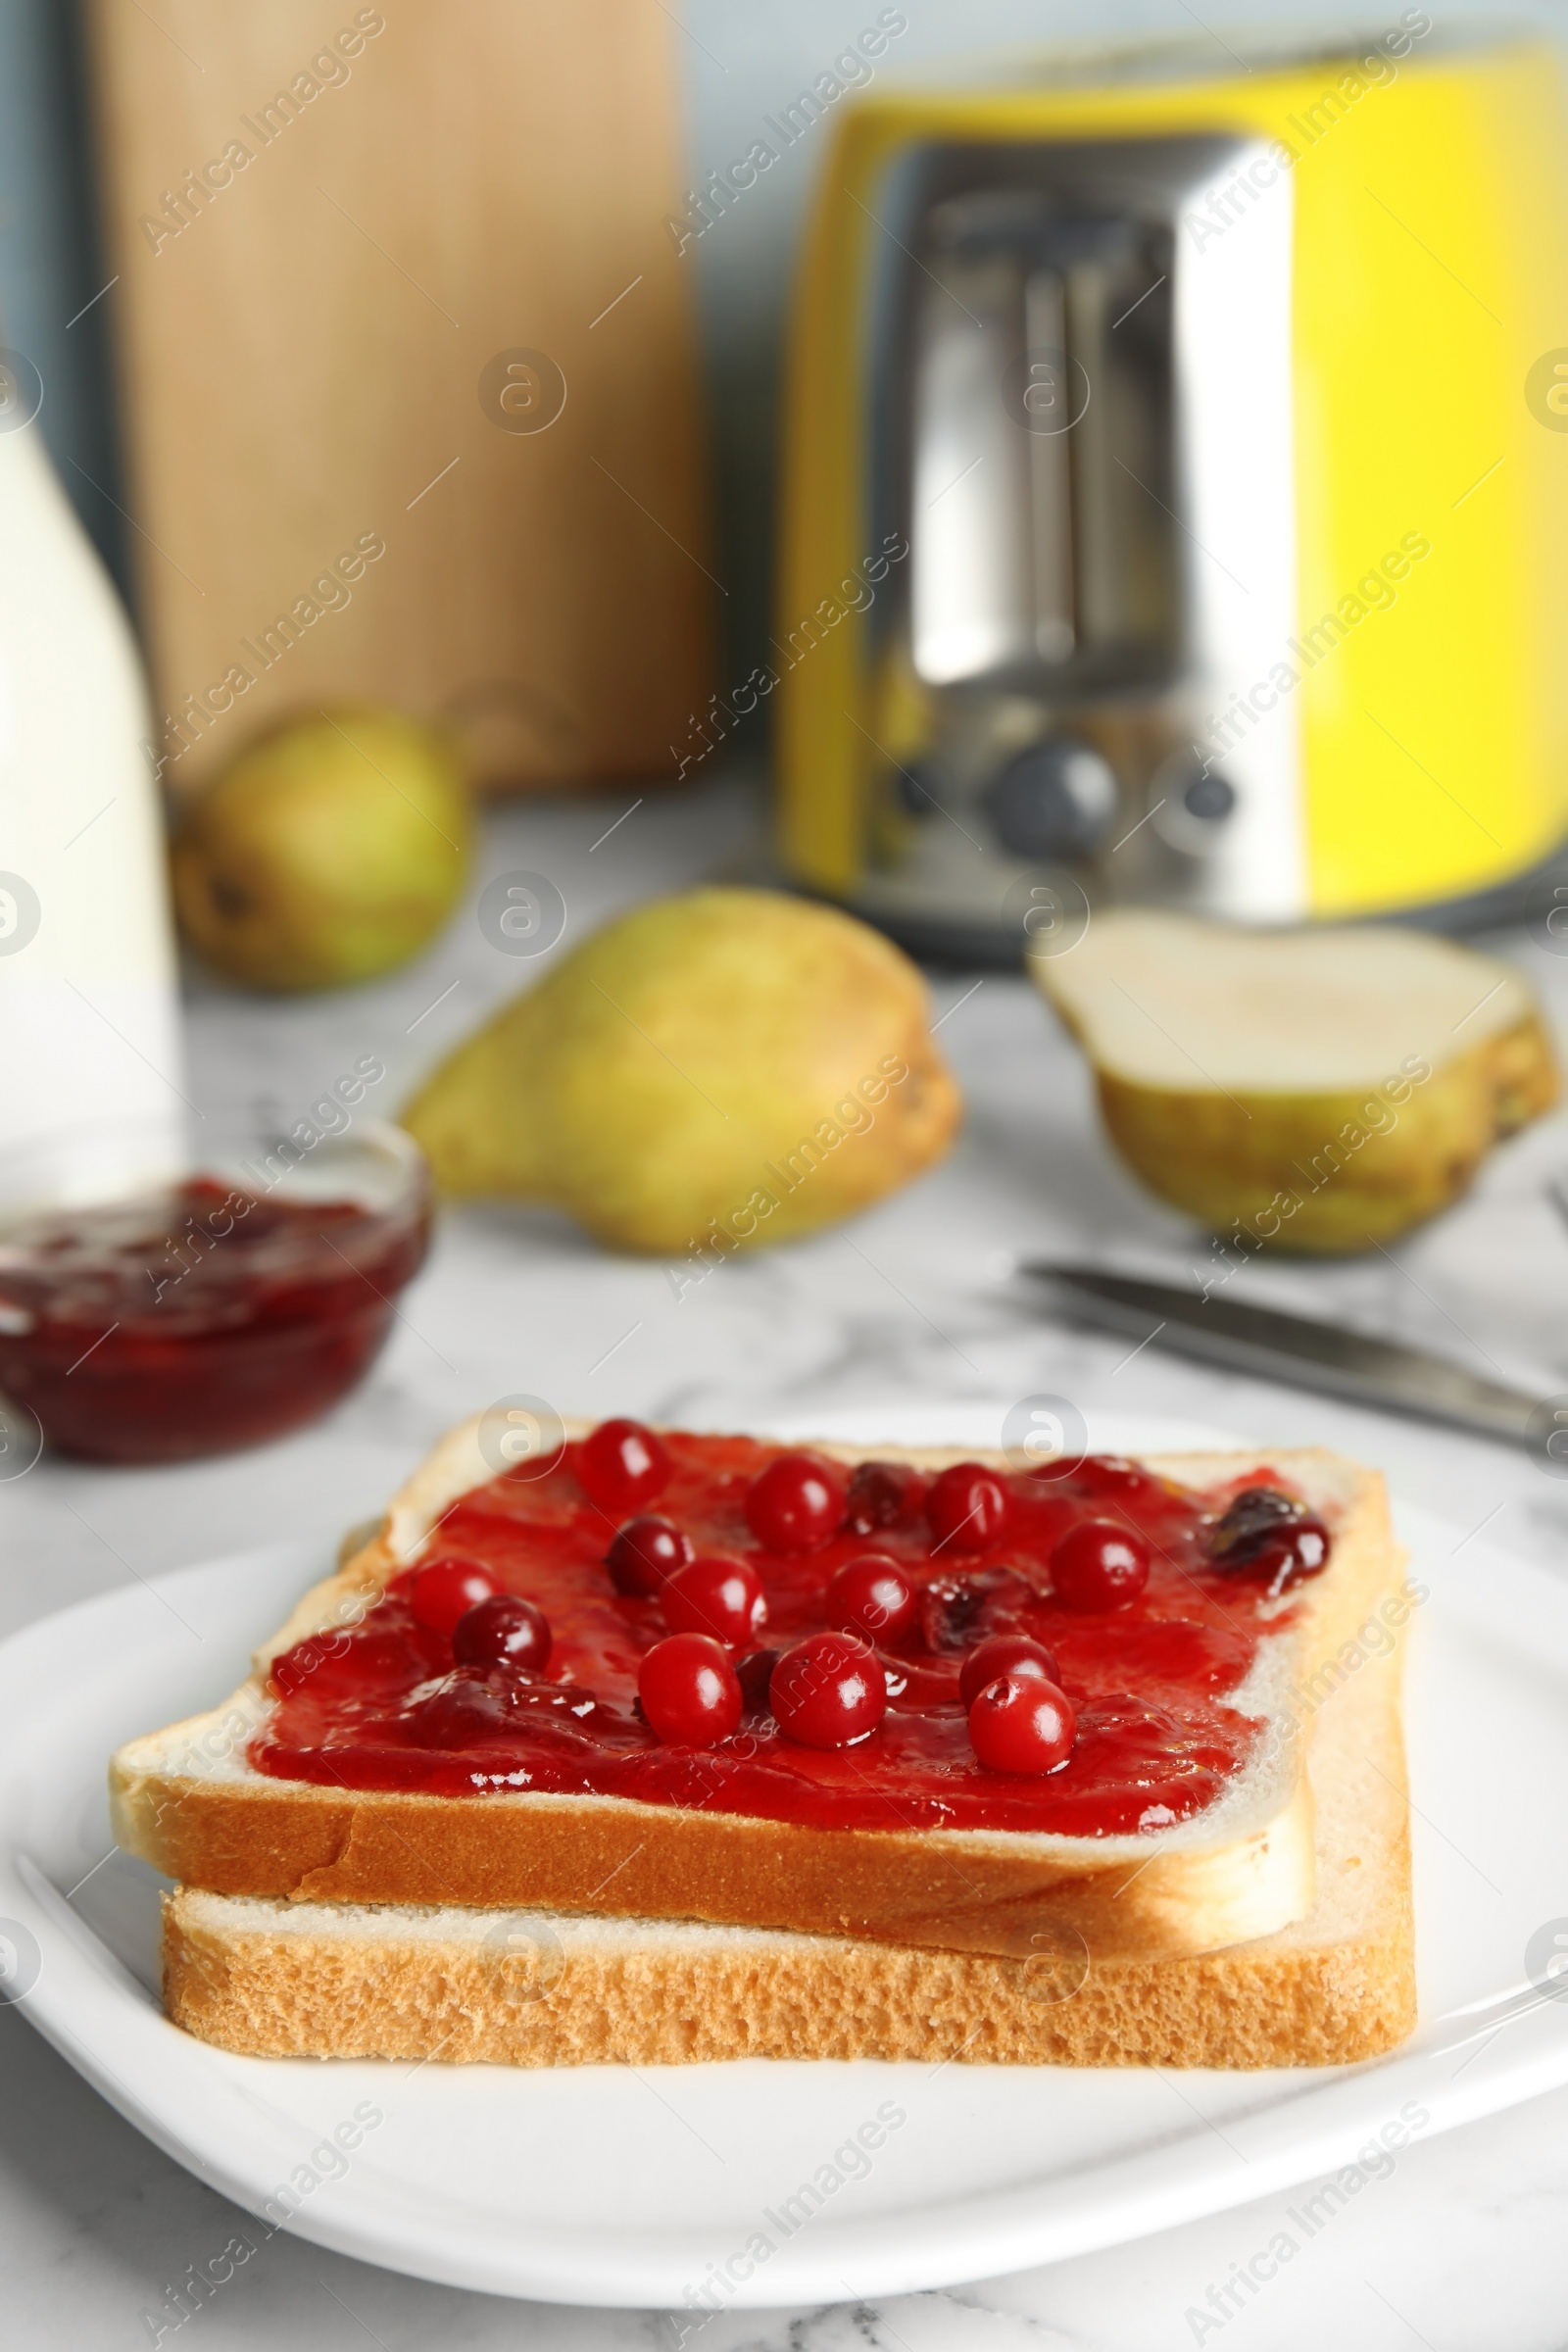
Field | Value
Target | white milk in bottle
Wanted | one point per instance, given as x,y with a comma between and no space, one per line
91,1082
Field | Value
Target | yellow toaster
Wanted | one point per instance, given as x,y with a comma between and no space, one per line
1174,494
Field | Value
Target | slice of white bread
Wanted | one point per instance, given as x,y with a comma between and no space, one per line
187,1800
272,1979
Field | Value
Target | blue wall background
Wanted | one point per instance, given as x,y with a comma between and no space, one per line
50,259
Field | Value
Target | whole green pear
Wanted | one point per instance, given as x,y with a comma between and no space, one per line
330,851
723,1069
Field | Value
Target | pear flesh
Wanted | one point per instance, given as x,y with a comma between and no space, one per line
332,850
718,1070
1323,1091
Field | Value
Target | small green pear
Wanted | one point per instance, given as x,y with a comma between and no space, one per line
718,1070
332,850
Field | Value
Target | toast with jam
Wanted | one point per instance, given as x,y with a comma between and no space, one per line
844,1754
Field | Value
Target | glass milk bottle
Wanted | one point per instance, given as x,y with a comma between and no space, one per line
90,1069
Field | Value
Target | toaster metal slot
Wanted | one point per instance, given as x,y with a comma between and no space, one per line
1041,450
1121,455
1055,611
970,573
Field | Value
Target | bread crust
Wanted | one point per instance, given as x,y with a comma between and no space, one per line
605,1853
1131,1900
298,1997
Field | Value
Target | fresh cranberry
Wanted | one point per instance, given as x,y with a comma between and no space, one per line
1272,1536
443,1590
962,1607
1099,1565
1020,1723
873,1597
1005,1653
797,1502
504,1631
828,1691
690,1693
644,1553
1112,1474
1292,1554
968,1509
883,1494
714,1595
345,1663
464,1710
754,1674
1249,1519
622,1467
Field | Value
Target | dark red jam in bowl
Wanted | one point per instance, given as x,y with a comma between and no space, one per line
198,1317
1152,1681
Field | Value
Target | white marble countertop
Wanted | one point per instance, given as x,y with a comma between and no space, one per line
1465,2245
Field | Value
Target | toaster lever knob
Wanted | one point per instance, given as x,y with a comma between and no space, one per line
1209,797
1056,799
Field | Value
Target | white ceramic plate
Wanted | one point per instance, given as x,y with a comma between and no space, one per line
612,2185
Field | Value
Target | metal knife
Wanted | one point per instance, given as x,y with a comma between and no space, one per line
1300,1353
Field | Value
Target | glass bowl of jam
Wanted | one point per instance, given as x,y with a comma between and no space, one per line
157,1304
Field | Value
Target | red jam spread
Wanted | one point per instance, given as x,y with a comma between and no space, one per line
386,1705
196,1318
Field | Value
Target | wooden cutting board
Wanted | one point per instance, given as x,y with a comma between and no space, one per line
406,360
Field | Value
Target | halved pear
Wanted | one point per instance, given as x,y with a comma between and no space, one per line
1323,1090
